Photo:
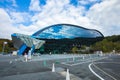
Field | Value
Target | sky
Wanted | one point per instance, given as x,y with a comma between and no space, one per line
29,16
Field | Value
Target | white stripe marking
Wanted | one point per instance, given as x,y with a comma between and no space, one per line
87,61
94,72
104,72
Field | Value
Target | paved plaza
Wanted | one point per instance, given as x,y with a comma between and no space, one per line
81,67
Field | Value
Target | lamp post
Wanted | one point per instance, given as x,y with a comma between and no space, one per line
4,43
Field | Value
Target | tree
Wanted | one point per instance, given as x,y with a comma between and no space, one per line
106,45
74,49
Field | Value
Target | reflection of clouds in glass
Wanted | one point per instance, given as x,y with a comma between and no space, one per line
67,31
73,32
57,28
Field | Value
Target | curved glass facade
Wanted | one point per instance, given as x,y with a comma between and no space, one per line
57,38
61,31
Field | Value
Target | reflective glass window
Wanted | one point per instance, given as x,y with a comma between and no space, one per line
67,31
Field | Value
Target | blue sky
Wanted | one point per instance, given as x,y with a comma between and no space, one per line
28,16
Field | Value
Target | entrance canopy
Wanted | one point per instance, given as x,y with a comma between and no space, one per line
29,41
25,42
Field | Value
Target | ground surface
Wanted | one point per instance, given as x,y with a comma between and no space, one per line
81,67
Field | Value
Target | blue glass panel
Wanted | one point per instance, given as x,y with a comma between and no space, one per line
66,31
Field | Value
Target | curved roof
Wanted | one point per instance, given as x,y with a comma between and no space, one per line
59,31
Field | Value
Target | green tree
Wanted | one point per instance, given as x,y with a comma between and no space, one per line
74,49
106,46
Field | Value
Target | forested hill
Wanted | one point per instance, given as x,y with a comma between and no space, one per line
114,38
108,44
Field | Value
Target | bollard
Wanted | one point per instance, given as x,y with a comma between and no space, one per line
67,75
90,56
53,68
67,59
83,57
15,59
10,62
44,63
26,57
73,59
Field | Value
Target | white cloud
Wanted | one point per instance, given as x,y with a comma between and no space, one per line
14,3
34,5
106,15
84,2
102,16
5,24
55,12
8,27
20,17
